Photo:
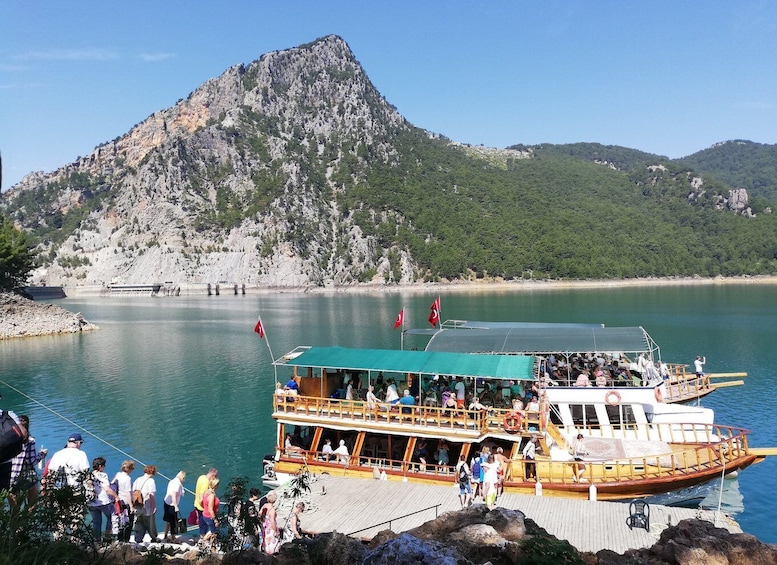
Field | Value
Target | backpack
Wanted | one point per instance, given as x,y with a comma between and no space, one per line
137,498
90,492
463,474
12,436
476,467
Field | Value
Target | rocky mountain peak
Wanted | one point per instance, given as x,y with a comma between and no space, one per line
166,200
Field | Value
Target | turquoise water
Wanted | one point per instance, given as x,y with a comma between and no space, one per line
185,383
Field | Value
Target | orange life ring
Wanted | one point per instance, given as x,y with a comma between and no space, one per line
613,398
512,422
659,396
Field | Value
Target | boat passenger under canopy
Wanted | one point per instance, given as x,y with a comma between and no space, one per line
540,339
512,367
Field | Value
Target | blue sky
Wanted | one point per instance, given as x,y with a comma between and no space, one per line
667,77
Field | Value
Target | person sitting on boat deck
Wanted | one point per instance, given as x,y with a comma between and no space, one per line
430,399
326,451
392,396
582,379
291,390
622,376
342,453
475,404
578,450
290,447
699,365
547,380
280,393
516,389
372,400
406,401
601,379
449,403
517,404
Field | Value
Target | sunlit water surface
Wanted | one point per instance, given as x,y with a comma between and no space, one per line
185,383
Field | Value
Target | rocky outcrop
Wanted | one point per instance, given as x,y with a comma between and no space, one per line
477,536
20,317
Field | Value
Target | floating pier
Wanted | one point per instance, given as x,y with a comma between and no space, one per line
349,505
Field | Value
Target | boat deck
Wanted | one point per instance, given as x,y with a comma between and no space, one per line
351,504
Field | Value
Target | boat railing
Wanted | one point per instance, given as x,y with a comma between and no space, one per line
382,414
671,433
681,461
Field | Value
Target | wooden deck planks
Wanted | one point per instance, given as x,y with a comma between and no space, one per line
352,504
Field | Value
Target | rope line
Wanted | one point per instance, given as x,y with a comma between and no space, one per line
83,429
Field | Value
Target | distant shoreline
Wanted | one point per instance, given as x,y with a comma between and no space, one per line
460,286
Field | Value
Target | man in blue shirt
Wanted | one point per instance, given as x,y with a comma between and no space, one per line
406,400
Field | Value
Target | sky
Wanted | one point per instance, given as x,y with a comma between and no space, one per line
666,77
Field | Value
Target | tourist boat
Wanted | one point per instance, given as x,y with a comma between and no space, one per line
626,345
636,444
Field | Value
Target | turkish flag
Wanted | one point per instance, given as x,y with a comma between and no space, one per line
259,329
400,319
434,317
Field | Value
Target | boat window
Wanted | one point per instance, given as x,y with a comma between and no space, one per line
584,415
555,415
619,415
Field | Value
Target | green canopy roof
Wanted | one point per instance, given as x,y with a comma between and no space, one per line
515,367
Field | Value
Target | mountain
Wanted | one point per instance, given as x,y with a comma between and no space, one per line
741,164
294,171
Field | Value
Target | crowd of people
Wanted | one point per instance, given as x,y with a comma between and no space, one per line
124,508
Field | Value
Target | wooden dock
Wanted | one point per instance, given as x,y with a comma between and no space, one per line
350,505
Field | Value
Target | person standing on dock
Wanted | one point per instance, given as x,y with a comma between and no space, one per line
145,514
699,365
202,485
268,518
24,477
125,520
463,477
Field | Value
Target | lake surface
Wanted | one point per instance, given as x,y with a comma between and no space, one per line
185,383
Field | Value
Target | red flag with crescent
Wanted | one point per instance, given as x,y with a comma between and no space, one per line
400,319
259,329
434,316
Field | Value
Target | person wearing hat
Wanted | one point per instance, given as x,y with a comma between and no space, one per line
71,459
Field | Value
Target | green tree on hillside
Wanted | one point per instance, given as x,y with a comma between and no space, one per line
16,259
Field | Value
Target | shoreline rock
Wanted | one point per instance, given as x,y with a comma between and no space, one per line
477,536
21,317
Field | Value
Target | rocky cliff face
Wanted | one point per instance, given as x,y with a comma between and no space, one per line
226,184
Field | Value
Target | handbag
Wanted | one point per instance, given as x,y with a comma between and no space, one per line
182,525
193,519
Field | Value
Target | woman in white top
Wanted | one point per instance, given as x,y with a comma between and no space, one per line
490,478
392,396
102,505
124,520
172,502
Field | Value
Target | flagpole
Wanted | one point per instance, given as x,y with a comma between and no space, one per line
272,357
402,332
